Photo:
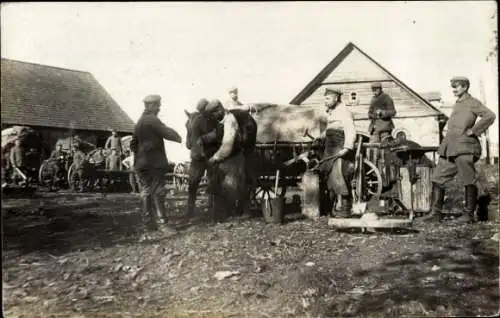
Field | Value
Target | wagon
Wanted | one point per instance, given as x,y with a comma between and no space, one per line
31,143
287,154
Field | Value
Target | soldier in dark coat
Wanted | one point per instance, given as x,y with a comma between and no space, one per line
79,165
460,149
151,162
381,113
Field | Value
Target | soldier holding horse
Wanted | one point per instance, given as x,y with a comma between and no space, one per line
221,142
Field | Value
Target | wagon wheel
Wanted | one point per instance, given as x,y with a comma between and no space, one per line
265,190
368,181
45,174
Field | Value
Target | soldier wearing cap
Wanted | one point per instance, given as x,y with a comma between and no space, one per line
381,112
340,135
233,102
460,149
114,142
151,162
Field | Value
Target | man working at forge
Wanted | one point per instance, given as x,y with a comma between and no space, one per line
340,135
460,149
151,162
381,113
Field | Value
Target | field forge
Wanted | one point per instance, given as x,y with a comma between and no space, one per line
83,255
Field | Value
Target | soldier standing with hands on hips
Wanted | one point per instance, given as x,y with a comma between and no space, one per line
151,162
460,149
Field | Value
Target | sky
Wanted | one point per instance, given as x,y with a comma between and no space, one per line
185,51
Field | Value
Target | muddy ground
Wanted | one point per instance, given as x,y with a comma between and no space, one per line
83,255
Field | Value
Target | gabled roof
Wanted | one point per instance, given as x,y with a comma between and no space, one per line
330,67
47,96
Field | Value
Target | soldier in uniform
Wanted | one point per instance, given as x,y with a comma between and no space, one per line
460,149
339,135
233,102
381,112
56,164
114,142
151,162
79,165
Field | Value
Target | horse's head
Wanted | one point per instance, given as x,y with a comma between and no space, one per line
197,125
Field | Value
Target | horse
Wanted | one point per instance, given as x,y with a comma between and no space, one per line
227,185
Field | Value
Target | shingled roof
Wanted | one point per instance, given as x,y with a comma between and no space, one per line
47,96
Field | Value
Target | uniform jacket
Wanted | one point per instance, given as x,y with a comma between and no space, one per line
114,142
148,145
384,103
17,156
340,118
463,117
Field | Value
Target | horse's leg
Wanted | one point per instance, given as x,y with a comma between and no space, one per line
196,171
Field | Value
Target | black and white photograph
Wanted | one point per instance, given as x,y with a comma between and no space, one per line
250,159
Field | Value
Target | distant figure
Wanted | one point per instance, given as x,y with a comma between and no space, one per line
114,142
17,161
56,164
381,113
79,163
151,162
460,149
113,161
233,102
128,164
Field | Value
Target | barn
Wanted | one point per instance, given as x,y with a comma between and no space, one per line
59,103
353,71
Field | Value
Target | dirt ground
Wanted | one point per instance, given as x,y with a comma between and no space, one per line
81,255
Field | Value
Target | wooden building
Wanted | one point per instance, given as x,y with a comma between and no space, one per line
353,71
58,103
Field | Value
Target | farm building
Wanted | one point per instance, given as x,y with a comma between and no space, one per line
353,71
58,103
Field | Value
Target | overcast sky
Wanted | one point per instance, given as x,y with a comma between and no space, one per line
185,51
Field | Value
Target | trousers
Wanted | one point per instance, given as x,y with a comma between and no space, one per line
448,168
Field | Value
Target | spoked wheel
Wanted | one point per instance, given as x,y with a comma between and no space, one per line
45,174
263,191
368,181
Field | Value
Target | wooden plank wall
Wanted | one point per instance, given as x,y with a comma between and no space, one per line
406,105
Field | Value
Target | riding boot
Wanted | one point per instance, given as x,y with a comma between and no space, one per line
436,214
191,204
161,211
148,219
468,215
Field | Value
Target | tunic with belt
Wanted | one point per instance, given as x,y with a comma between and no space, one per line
114,142
463,117
385,104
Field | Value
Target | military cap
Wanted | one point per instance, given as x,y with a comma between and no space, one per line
201,105
213,105
461,79
152,98
330,90
376,85
233,89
